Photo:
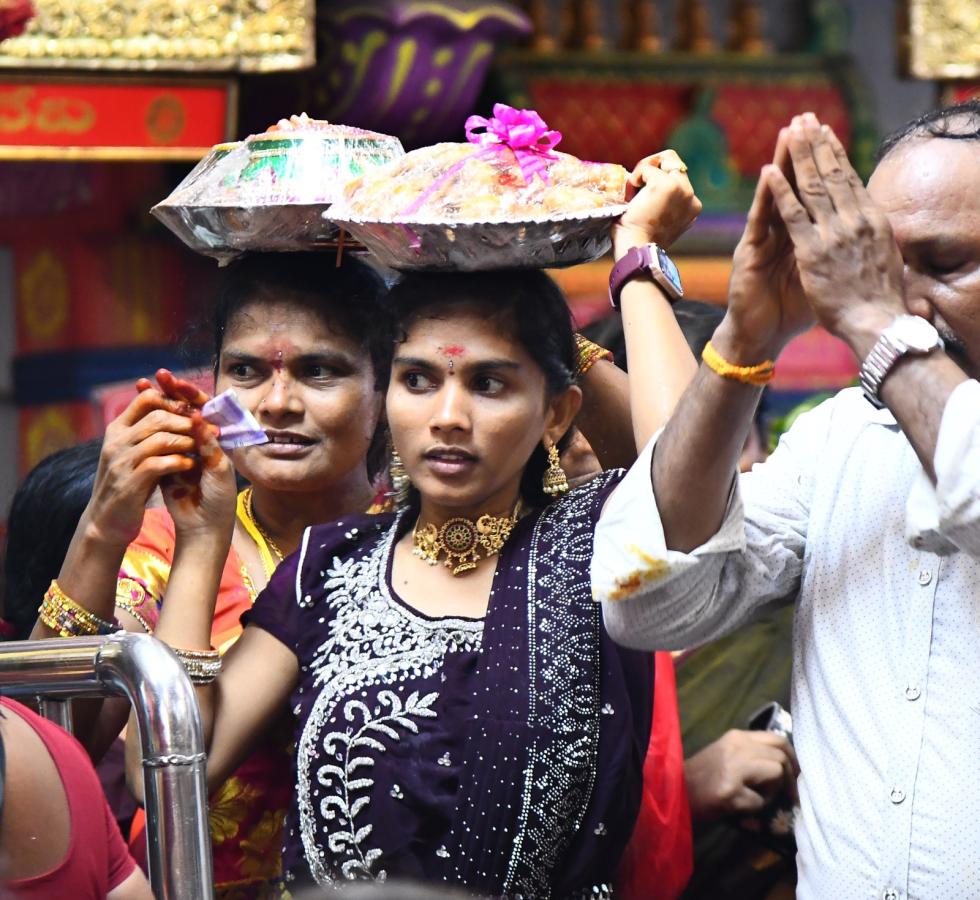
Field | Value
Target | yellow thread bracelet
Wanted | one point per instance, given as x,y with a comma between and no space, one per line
755,375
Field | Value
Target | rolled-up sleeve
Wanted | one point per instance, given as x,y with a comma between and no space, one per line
659,599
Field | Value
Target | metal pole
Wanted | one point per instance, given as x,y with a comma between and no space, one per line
58,711
149,674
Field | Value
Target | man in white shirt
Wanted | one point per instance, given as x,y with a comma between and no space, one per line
869,518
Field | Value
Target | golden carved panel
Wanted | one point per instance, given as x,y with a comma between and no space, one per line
166,35
942,38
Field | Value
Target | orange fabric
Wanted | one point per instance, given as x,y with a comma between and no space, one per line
146,568
659,858
248,810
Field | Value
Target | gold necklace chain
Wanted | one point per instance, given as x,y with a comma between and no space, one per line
250,515
462,540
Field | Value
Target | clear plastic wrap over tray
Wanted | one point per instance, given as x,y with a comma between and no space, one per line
474,206
270,191
477,246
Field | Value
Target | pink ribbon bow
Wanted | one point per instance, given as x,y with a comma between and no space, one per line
524,131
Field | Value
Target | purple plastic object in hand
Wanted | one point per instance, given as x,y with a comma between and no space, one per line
238,427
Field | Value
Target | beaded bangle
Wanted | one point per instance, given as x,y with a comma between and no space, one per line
589,354
202,666
69,619
755,375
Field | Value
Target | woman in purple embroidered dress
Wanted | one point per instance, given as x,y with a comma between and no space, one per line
461,715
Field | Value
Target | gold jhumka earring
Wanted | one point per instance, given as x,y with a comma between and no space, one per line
400,482
554,481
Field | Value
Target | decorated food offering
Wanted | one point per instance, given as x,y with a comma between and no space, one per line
269,191
505,198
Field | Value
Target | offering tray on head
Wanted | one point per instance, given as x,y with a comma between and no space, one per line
504,199
269,192
474,246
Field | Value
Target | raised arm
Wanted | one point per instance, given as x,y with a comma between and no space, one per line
259,671
149,441
696,459
619,415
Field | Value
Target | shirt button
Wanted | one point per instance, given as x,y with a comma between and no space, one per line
897,795
925,576
912,692
890,894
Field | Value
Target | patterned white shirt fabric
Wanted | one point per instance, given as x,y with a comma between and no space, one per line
884,571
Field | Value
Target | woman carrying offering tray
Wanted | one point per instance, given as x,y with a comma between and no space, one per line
460,714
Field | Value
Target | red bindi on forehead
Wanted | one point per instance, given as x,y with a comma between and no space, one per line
454,350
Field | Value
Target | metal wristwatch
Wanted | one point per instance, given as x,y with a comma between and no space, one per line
652,260
906,334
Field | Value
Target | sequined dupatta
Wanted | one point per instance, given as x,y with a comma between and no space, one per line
532,749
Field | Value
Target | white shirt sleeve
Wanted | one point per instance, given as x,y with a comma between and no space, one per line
656,598
946,517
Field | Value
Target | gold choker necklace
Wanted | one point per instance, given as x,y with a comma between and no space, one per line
462,540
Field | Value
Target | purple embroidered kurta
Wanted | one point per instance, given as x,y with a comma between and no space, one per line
503,753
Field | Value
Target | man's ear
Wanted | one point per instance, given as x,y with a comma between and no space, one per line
562,410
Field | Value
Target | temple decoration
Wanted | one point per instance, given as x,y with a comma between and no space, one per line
722,118
746,28
641,26
411,68
939,38
144,35
14,16
694,28
721,110
582,30
92,117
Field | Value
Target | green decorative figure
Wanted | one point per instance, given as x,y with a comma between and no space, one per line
830,27
703,146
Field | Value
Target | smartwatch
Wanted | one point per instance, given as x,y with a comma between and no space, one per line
651,260
906,334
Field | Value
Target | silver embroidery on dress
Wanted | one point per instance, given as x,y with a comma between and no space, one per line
353,747
371,640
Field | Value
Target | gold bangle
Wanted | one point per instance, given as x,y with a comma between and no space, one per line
589,353
758,375
70,619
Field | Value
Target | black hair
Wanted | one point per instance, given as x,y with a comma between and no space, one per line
353,297
524,302
43,516
959,122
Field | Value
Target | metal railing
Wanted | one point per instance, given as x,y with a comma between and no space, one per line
148,673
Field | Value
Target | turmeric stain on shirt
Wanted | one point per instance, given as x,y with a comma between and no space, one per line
652,569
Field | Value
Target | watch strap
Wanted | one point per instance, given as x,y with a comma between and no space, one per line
636,261
888,349
878,363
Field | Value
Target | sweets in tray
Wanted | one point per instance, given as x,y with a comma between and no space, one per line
504,198
269,192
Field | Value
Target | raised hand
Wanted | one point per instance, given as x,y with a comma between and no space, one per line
175,388
662,203
201,500
151,440
850,266
767,306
